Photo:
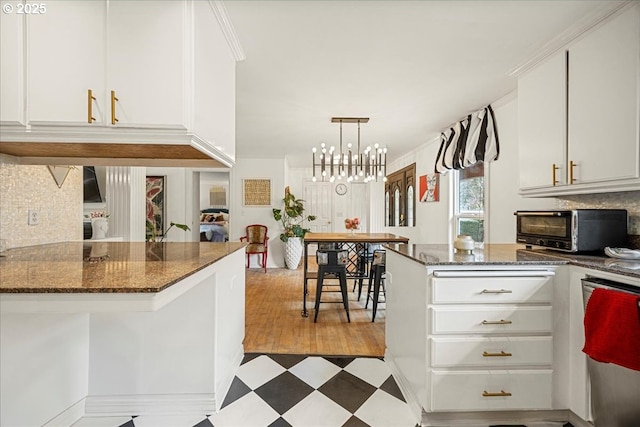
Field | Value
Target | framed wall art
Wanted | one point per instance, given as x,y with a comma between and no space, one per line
430,187
256,192
155,205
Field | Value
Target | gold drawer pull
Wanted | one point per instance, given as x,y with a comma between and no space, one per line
502,393
554,179
501,354
497,322
496,291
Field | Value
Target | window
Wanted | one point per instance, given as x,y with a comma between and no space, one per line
400,203
469,199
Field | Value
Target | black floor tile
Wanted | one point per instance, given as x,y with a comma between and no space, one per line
355,422
340,361
347,390
236,391
284,391
391,387
248,357
287,361
128,424
280,422
204,423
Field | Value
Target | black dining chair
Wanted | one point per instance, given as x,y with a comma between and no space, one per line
376,277
331,265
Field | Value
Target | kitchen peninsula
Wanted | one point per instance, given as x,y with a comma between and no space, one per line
494,336
118,328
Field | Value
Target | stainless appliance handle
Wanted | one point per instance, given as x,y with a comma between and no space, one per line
536,213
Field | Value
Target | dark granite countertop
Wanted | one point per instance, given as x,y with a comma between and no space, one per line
512,254
106,267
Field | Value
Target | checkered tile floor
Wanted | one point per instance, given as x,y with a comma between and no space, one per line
289,390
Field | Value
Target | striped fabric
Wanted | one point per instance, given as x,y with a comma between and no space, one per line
471,140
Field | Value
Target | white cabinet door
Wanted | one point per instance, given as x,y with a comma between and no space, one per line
214,97
66,58
146,61
11,68
603,101
542,124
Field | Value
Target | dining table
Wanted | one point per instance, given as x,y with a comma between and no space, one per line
359,247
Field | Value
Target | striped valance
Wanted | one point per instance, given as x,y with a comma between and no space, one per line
471,140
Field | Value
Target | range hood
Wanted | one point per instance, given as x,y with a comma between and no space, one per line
89,145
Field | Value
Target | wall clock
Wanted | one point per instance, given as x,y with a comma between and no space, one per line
341,189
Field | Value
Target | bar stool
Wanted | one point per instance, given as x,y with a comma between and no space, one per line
365,258
332,265
376,275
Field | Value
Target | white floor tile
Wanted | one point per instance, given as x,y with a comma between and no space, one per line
168,420
317,410
372,370
315,371
384,410
100,421
249,410
258,371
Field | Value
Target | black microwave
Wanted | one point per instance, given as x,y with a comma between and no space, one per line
576,230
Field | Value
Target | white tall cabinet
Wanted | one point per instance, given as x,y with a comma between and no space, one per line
11,70
579,114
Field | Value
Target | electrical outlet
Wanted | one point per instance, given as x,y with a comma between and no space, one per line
34,217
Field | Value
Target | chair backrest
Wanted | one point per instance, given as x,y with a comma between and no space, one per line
256,233
332,257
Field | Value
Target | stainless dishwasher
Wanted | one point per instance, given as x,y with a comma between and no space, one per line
615,390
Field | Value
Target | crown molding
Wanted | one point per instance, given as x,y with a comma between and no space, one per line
219,9
570,34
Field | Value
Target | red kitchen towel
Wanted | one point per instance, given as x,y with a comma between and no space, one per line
612,328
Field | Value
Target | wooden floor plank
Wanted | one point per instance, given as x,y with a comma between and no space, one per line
274,323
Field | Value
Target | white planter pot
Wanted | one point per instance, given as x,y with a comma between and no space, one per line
293,252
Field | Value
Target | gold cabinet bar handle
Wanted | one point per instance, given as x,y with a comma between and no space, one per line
571,166
114,120
496,291
554,179
501,354
497,322
502,393
90,99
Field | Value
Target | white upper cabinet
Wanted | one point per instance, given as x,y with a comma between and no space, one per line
147,62
603,101
541,124
578,118
65,53
11,69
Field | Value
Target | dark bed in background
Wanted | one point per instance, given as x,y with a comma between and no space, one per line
214,225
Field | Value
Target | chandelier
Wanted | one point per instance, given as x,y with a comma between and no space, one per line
352,165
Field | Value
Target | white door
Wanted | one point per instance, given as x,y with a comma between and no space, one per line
354,203
317,197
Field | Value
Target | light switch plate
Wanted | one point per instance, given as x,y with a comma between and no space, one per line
34,217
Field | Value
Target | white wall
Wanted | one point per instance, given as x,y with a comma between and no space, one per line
240,216
212,179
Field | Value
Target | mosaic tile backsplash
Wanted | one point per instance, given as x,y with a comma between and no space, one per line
629,200
25,187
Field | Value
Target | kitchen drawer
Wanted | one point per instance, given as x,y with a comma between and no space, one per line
481,290
486,390
496,352
503,319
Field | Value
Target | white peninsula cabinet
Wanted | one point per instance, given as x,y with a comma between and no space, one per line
579,127
474,342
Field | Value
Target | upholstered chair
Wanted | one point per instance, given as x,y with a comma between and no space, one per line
258,243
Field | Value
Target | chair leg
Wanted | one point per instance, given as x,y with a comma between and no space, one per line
376,291
248,261
371,277
264,261
345,300
318,293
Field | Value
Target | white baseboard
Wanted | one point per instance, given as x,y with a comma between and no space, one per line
409,395
69,416
153,404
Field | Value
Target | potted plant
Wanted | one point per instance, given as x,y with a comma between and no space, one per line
291,217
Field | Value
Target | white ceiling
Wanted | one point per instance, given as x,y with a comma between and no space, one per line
412,67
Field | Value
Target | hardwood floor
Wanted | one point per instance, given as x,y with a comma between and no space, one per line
274,323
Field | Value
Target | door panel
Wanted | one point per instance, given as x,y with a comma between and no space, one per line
317,197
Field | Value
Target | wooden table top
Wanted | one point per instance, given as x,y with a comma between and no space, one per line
354,237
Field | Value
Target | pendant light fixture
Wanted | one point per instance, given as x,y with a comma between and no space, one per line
367,165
